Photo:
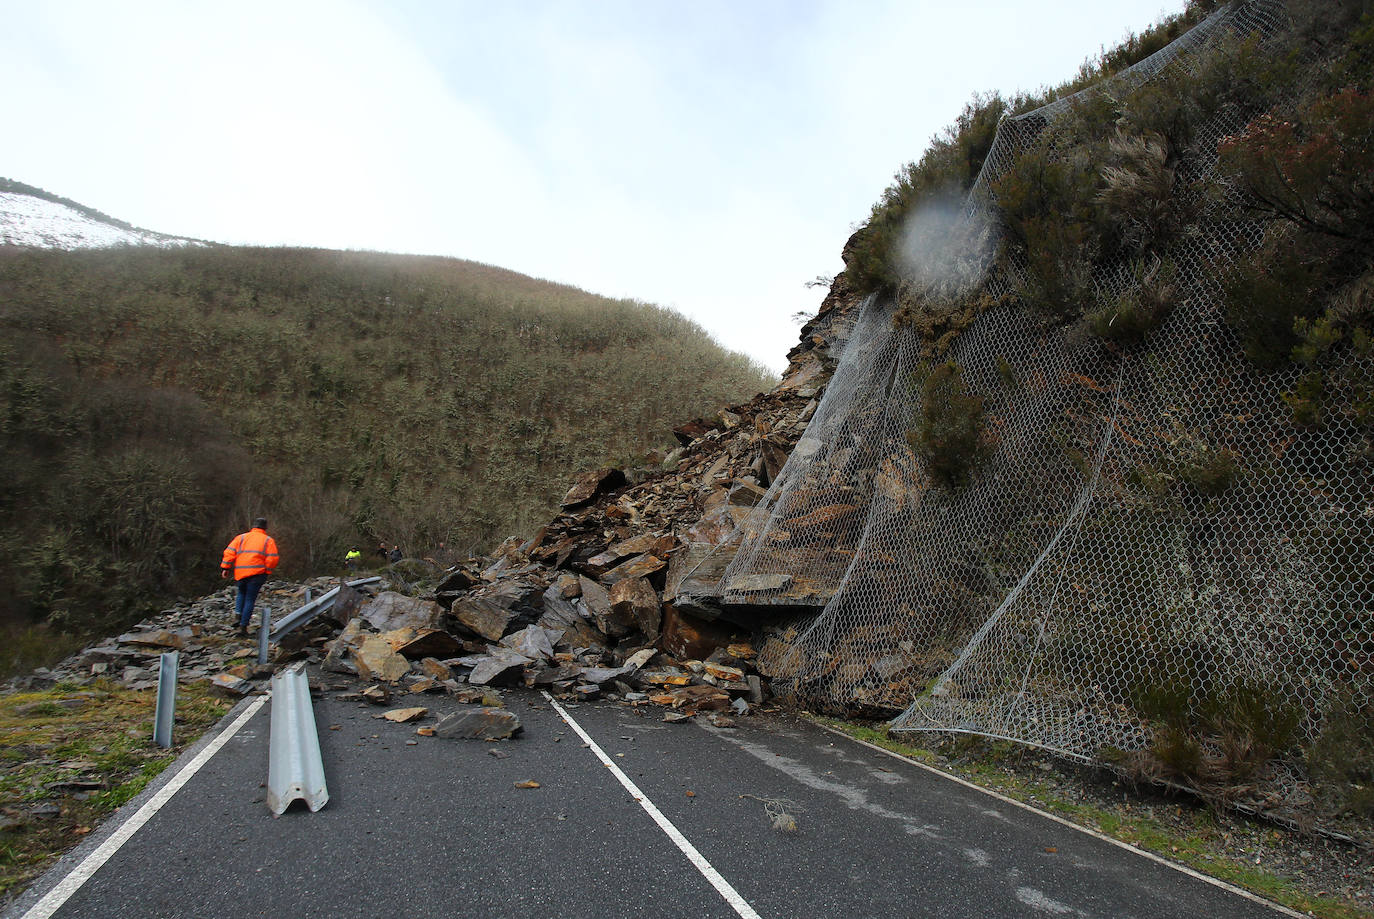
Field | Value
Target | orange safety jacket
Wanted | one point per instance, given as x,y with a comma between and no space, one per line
250,553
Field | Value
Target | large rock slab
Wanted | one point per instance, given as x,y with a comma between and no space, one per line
157,638
597,601
346,606
421,643
636,600
376,661
591,486
568,617
338,653
501,666
391,610
693,584
533,642
640,566
686,637
499,610
478,724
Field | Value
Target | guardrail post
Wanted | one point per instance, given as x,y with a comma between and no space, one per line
166,698
264,633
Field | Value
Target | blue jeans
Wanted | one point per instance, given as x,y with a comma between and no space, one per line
247,596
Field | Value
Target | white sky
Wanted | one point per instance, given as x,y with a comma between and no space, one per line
707,155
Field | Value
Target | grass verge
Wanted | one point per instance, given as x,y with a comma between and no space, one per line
1194,838
70,756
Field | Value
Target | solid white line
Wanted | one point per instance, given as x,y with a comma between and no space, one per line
1215,882
732,896
82,872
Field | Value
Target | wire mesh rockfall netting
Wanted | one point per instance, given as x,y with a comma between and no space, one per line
1150,539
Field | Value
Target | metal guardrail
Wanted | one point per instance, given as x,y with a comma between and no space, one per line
310,610
295,768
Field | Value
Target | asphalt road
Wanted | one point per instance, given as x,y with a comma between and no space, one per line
419,826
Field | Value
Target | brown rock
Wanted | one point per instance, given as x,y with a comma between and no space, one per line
723,672
230,684
590,486
436,669
687,637
377,695
455,579
635,599
774,457
832,515
686,433
402,715
376,661
500,609
598,605
693,579
639,567
647,543
485,617
746,494
430,643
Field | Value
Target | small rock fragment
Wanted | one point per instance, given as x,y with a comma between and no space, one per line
479,724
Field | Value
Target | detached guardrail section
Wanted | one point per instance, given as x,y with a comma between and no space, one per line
295,769
312,609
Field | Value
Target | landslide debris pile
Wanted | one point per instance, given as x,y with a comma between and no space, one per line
585,608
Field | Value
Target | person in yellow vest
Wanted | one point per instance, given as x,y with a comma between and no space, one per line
353,558
250,558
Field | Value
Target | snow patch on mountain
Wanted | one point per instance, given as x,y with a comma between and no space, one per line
38,223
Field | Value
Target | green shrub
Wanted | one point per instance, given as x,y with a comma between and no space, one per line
1341,760
1140,309
1215,736
951,435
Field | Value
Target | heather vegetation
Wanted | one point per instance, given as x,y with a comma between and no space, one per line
153,401
954,158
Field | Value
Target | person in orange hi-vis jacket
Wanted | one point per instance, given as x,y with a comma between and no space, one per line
250,558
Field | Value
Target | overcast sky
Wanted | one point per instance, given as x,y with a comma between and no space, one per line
708,156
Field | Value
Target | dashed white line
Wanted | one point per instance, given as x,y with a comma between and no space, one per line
722,886
79,875
1215,882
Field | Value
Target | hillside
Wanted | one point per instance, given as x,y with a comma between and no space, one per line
154,399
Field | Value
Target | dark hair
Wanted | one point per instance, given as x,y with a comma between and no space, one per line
260,523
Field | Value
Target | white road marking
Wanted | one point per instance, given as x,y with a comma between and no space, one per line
1037,900
79,875
732,896
1074,826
